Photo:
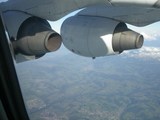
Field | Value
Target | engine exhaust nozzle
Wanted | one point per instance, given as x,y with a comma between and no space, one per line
125,39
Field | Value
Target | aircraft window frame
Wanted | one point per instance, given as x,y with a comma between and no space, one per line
10,93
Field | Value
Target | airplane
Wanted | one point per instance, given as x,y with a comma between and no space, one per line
99,29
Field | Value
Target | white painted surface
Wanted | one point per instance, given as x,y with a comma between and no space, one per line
142,3
49,9
88,36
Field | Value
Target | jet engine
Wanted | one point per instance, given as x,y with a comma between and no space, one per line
35,37
96,36
31,37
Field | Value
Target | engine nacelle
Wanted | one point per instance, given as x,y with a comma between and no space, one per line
96,36
35,37
31,37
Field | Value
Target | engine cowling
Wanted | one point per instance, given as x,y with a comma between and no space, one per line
31,37
96,36
35,37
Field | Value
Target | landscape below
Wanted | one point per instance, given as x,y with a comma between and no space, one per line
64,86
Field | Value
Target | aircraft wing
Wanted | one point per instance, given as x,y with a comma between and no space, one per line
83,34
56,9
96,31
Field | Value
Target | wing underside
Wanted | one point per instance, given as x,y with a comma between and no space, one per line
132,15
139,13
